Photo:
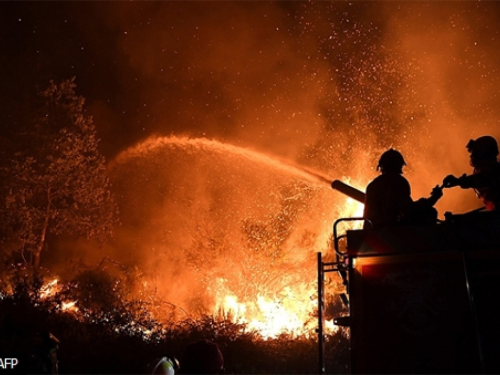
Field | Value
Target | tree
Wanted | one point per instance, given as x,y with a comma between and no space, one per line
57,184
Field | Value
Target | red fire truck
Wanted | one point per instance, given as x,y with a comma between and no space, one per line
421,298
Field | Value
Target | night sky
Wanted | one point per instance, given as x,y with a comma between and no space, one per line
157,67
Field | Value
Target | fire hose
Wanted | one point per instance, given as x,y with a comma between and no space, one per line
348,190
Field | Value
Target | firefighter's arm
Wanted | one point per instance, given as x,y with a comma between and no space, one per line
436,194
477,181
452,181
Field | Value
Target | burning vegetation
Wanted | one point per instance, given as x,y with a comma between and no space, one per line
194,260
228,246
214,235
96,313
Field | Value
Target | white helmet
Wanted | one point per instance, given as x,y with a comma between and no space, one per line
167,365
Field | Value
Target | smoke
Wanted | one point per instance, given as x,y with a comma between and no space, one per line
247,72
203,216
450,46
274,75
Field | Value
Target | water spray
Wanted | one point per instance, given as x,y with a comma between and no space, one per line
156,167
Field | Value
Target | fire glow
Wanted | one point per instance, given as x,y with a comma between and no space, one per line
292,313
290,310
272,317
249,256
51,289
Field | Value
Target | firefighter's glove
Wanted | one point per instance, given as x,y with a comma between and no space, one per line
437,192
450,181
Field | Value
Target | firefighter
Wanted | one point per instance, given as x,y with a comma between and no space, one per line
485,177
40,354
388,197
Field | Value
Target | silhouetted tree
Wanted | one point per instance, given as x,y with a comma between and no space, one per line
57,184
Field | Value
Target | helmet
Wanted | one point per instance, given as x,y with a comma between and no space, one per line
166,365
483,148
391,160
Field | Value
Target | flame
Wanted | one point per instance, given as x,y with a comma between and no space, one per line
293,312
49,289
289,313
353,208
270,317
330,326
277,319
69,306
53,287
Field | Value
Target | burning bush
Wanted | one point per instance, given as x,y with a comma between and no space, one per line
108,331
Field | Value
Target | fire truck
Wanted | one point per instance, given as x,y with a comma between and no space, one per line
421,298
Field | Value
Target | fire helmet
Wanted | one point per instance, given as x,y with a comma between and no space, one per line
391,160
484,147
166,365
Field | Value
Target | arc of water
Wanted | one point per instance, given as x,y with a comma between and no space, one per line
151,144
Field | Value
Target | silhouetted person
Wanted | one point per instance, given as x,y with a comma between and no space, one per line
388,197
202,357
485,178
40,356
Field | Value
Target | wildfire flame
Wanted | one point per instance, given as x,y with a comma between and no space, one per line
275,309
271,317
69,306
50,289
293,312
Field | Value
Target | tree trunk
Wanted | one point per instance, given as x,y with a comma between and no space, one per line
41,243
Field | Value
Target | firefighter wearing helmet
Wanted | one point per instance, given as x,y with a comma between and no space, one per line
391,160
389,194
485,178
388,197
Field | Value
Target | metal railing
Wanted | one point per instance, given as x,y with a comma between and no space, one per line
341,265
